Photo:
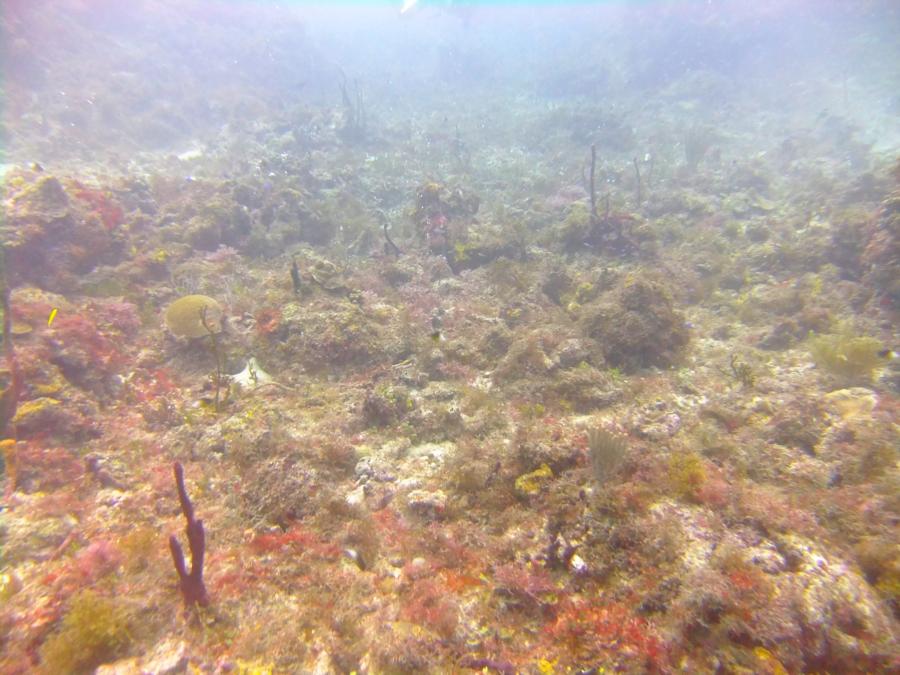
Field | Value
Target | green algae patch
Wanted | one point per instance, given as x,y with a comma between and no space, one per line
530,484
686,474
852,358
94,630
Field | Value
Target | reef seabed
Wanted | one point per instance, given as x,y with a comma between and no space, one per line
521,438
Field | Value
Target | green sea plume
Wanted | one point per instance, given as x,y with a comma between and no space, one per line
186,316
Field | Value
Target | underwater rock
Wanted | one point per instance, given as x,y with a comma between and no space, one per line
749,176
211,220
571,352
882,252
533,451
797,424
51,235
812,471
779,300
780,337
658,425
841,615
203,234
325,274
476,253
585,388
168,658
436,412
339,336
279,490
527,356
397,272
856,402
427,460
556,284
39,414
494,343
386,404
850,230
356,497
372,469
237,437
442,215
72,418
43,201
636,325
429,504
324,664
792,586
796,328
295,221
575,229
28,535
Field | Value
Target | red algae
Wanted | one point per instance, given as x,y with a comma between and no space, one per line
102,205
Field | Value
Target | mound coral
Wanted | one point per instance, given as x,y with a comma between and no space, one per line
190,315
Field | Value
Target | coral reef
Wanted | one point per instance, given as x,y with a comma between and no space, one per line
510,360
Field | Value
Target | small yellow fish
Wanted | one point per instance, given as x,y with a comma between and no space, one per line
546,667
53,313
774,666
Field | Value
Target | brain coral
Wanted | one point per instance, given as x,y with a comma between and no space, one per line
185,315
